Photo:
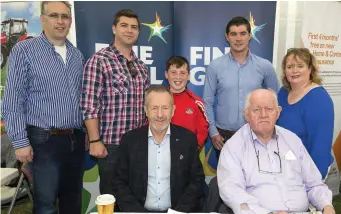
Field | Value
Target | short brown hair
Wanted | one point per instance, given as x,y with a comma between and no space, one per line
127,13
178,61
43,3
157,89
308,58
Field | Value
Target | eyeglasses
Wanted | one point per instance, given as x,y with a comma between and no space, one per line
56,16
132,69
257,155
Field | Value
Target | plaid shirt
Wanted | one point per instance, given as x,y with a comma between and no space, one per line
111,94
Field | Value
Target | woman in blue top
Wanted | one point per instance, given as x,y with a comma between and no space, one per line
307,109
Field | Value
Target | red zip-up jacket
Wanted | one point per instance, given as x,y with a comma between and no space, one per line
190,113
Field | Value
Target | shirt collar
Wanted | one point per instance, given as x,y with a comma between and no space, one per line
68,44
150,134
178,94
254,136
133,56
249,55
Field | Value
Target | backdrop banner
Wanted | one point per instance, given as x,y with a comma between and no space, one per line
195,30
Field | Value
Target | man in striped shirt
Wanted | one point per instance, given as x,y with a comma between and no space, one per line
114,82
41,111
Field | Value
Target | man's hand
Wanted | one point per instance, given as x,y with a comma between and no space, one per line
218,141
25,154
98,150
328,210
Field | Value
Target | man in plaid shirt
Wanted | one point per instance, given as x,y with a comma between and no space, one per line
114,82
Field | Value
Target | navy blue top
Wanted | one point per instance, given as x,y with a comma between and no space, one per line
311,119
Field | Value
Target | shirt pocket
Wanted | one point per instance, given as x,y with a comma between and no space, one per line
120,83
292,172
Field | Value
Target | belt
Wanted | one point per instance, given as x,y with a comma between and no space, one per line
61,131
56,131
226,132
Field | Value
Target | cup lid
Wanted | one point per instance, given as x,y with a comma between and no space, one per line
105,199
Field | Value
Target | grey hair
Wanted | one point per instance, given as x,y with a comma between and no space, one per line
44,3
157,89
248,98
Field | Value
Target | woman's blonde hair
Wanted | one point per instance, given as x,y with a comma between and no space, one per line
304,55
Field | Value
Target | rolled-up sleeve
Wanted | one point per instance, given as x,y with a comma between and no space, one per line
91,88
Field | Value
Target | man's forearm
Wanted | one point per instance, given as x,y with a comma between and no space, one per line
92,126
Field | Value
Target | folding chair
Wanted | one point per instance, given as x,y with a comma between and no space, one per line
25,184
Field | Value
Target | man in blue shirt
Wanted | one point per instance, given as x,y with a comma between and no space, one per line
42,114
230,78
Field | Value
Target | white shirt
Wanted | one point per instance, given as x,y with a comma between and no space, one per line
61,50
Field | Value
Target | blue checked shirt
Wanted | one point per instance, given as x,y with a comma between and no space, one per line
41,90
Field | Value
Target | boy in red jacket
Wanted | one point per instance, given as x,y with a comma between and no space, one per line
190,111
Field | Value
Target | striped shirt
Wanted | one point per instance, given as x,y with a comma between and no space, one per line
111,93
41,90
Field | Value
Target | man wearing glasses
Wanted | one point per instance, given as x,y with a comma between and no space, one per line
264,168
41,111
114,82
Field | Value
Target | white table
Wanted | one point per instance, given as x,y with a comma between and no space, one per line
7,174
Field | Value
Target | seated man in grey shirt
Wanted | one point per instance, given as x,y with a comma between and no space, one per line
264,168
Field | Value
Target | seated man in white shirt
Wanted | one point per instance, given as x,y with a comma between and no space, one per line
264,168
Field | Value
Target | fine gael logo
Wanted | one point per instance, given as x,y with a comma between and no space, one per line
156,29
255,28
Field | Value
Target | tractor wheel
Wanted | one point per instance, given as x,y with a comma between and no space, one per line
4,55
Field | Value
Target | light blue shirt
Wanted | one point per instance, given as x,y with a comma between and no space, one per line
291,180
159,166
229,83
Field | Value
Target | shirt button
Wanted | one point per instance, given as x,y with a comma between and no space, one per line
158,182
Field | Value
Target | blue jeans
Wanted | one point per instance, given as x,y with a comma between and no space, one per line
58,168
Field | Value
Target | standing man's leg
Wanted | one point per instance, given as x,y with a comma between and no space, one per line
72,171
106,169
46,170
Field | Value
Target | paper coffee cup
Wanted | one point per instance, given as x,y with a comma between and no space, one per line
105,204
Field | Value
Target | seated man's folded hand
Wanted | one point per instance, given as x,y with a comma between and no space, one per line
328,210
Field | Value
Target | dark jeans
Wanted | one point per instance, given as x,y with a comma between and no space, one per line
226,134
58,168
106,169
